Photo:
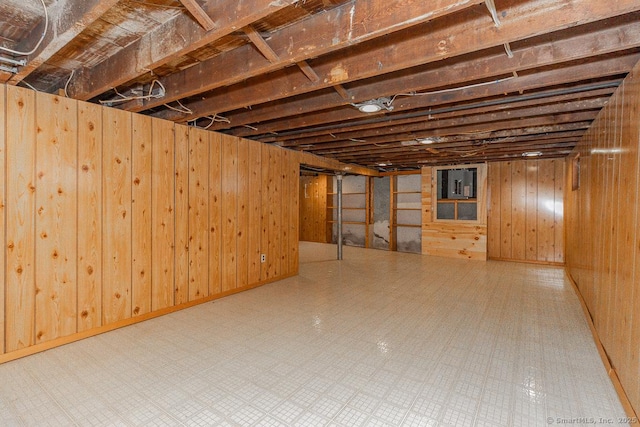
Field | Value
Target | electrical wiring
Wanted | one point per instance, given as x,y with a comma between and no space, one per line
215,118
124,98
44,32
66,85
453,89
28,85
182,109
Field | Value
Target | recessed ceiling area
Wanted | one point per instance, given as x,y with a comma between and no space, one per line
445,82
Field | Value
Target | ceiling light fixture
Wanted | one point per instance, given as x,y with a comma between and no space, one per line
428,140
532,154
374,105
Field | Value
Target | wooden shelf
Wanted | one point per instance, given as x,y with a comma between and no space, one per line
407,192
458,200
344,209
407,209
347,194
409,225
349,222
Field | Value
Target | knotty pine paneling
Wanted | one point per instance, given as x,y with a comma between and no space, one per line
255,213
20,219
293,204
90,215
56,220
116,215
453,239
603,242
229,213
124,216
525,221
215,213
518,210
163,215
198,213
141,215
181,284
274,259
313,208
242,246
290,182
506,215
265,208
3,180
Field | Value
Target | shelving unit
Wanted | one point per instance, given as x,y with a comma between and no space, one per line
356,210
405,220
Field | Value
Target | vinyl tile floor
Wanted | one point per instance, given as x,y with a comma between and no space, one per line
377,339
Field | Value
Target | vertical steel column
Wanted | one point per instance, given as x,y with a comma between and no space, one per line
339,191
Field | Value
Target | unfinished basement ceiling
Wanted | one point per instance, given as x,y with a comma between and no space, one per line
458,81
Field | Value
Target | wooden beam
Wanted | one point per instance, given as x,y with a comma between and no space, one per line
308,71
460,153
341,91
613,37
438,105
521,136
461,128
474,113
313,160
510,144
67,19
199,14
260,44
169,41
417,124
412,47
351,23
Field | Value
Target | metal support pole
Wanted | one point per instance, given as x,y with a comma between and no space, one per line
339,191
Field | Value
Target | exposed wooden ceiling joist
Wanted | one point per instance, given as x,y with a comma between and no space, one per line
488,114
168,41
64,21
199,14
456,80
612,38
412,47
349,24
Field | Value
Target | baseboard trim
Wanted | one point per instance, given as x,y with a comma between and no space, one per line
58,342
613,375
525,261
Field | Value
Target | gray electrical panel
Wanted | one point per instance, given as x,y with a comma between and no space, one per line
457,183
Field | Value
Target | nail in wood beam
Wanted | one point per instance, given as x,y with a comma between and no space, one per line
308,71
260,44
493,11
199,14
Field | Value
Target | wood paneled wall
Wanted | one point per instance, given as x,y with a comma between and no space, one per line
108,217
603,241
314,206
525,211
453,239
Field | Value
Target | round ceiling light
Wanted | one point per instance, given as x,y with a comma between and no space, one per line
374,105
532,154
369,108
